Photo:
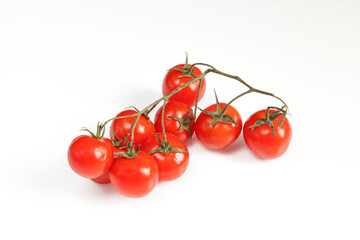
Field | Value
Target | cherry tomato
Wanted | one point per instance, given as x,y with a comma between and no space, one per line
172,165
105,178
177,116
144,127
134,177
90,157
262,141
174,78
221,134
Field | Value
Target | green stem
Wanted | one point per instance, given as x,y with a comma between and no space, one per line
251,89
114,118
133,125
197,100
186,66
202,64
238,96
165,98
162,120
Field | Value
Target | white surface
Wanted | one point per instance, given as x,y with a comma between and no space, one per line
70,64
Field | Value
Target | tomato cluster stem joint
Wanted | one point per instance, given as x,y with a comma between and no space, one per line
165,147
185,122
270,118
100,131
219,115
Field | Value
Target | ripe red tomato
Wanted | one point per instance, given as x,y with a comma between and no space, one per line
134,177
172,165
177,116
105,178
90,157
174,78
144,127
262,141
218,135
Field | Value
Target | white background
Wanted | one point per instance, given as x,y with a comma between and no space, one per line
69,64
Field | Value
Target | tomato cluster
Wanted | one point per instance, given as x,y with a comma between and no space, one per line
141,152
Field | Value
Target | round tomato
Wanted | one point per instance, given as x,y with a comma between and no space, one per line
90,157
134,177
221,134
105,178
177,117
144,127
173,164
261,139
174,79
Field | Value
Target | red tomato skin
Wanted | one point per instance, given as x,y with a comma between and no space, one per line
261,140
175,109
103,179
173,165
219,135
173,80
134,177
144,127
90,157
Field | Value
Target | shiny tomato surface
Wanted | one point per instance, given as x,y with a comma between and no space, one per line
172,165
174,79
134,177
262,141
219,135
177,110
90,157
143,129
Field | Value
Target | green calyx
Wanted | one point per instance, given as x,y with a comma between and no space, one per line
100,131
131,151
187,71
270,118
185,122
165,147
219,115
145,114
119,143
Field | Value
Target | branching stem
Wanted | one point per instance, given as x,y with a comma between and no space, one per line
162,120
200,78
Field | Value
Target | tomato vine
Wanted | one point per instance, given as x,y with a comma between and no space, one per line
188,71
134,165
